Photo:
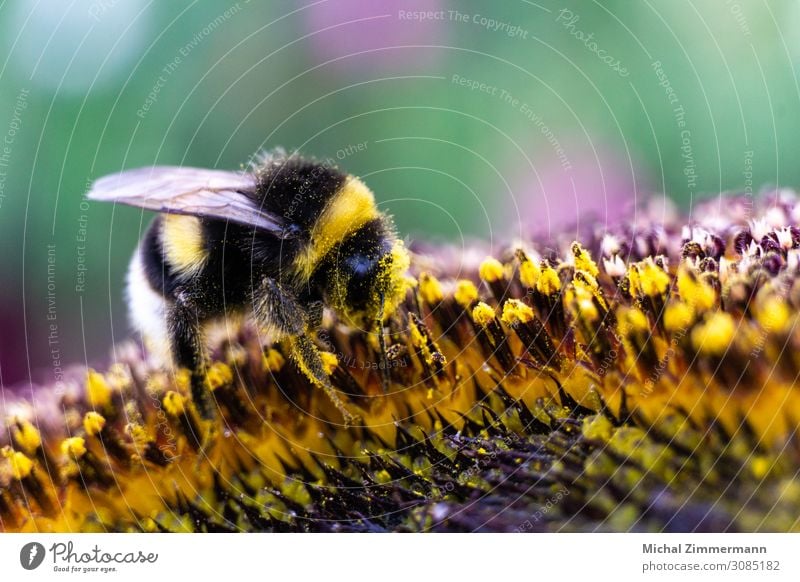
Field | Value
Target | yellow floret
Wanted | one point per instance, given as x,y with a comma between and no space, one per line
773,314
583,260
21,465
715,334
632,320
218,375
491,270
548,282
694,291
466,293
27,436
529,273
653,280
515,311
73,447
93,423
329,362
483,314
174,403
677,316
597,428
273,360
586,308
430,289
98,392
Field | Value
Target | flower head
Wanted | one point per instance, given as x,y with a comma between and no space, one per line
641,378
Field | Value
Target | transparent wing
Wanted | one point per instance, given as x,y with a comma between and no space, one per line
193,191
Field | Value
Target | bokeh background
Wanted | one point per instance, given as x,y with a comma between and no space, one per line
481,119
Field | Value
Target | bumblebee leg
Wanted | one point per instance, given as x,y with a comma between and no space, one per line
306,356
384,363
315,311
277,308
184,328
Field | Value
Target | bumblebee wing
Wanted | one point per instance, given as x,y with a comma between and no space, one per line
194,191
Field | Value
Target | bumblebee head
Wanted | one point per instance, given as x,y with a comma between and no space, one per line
366,280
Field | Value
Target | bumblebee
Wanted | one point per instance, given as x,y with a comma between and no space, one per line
278,243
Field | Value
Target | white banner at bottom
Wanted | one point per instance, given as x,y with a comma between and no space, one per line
407,557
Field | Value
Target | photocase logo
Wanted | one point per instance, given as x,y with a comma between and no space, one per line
31,555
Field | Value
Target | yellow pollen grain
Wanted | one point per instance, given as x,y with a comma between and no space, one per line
515,311
93,423
218,375
430,289
329,362
548,283
483,314
715,334
73,447
27,436
174,403
98,392
273,360
466,293
491,270
583,260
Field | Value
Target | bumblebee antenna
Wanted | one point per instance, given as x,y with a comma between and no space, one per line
384,363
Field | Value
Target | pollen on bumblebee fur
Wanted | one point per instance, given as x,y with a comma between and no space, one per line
641,378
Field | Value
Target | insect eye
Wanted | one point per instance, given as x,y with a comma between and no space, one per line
361,266
361,272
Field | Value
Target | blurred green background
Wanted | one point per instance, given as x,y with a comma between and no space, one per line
476,119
